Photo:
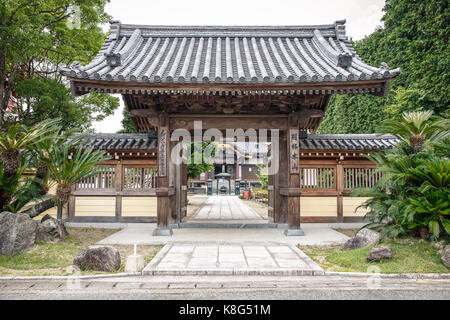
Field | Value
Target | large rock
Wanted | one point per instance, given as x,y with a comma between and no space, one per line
17,232
98,258
379,253
445,258
363,238
50,230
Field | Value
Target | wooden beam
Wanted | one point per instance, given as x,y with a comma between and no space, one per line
212,87
228,122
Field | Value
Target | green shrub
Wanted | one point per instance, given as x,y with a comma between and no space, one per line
413,197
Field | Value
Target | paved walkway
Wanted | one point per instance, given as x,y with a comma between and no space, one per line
231,259
225,208
142,234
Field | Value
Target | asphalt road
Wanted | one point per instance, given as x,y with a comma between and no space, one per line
228,287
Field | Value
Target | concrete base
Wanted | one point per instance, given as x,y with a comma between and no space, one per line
294,232
135,263
162,232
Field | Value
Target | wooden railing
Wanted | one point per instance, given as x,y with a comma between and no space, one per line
118,179
105,179
332,178
360,177
135,178
336,178
318,178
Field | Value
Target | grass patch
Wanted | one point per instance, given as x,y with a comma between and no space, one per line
46,259
409,256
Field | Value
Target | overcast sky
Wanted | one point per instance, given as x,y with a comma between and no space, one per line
362,16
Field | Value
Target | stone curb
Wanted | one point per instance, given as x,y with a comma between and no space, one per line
391,275
246,272
232,272
93,276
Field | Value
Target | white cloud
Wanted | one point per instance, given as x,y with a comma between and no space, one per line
362,16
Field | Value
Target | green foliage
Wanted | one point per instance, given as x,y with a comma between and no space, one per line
353,114
12,189
206,165
414,193
44,144
65,171
36,38
415,38
20,136
409,100
263,176
127,124
409,256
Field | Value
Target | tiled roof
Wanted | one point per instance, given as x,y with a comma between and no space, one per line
215,54
122,141
353,142
348,142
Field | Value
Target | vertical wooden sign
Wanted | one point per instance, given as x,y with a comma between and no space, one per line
294,146
162,150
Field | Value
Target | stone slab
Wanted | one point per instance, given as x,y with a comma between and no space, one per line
231,259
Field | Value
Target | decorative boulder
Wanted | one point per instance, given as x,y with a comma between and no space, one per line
17,232
50,230
98,258
379,253
363,238
445,258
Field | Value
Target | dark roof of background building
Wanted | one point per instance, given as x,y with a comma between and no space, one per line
354,142
122,141
348,142
228,54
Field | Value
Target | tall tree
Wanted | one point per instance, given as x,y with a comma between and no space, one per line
36,37
414,37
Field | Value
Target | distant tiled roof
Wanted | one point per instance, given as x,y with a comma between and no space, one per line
353,142
228,54
121,141
348,142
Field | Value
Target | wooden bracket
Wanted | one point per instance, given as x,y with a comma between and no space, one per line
165,192
291,192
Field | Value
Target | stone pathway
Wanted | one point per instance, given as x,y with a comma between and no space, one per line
225,208
231,259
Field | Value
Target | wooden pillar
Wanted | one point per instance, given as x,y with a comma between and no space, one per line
163,191
280,182
118,187
184,189
292,192
180,191
340,191
270,189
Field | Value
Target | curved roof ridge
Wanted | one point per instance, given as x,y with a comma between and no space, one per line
352,136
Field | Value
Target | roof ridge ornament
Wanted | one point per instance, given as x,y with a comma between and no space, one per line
384,66
133,43
340,29
114,29
343,60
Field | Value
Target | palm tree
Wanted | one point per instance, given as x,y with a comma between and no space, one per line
66,171
18,138
416,129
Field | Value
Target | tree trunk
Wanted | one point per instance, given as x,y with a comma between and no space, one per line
59,213
37,209
10,161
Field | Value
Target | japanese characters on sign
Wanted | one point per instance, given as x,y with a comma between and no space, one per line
294,146
162,152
